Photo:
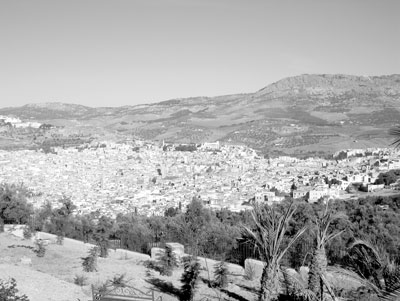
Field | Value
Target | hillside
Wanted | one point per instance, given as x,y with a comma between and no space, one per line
51,278
296,115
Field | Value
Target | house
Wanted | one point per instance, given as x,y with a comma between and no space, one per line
300,193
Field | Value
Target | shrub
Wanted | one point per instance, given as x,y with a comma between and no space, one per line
40,248
118,280
80,280
167,261
189,278
27,232
103,245
221,274
89,263
152,265
60,239
8,291
1,225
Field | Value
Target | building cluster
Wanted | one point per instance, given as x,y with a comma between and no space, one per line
18,123
147,179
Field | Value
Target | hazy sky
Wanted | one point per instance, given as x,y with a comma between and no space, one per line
126,52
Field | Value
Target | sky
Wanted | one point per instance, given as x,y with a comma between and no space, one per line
129,52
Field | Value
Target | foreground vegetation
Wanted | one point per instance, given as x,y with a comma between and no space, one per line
341,238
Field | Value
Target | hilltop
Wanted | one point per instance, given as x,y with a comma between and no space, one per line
297,115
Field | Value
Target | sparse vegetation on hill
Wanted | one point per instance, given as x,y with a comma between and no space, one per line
217,235
302,113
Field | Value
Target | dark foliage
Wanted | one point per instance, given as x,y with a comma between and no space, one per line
189,278
167,261
9,291
102,233
14,208
89,263
220,274
80,280
40,248
27,232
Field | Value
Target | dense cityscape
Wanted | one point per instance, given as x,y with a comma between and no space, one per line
148,178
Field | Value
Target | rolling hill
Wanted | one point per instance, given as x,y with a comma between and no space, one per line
299,115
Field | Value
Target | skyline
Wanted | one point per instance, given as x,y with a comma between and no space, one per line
114,53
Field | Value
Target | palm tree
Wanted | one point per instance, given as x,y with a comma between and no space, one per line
268,235
319,262
395,131
373,263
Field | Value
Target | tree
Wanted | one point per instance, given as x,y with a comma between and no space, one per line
193,224
219,240
87,227
171,212
221,274
373,263
89,263
319,262
14,207
189,278
9,291
168,261
61,218
267,236
102,233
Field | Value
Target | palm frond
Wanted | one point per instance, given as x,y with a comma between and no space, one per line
328,287
292,241
360,245
392,296
395,131
342,272
269,231
323,223
297,286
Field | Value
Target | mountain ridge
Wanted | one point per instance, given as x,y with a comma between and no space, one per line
305,113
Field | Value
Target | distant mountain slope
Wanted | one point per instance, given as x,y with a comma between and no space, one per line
304,113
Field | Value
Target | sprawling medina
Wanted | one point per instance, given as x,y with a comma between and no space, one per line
267,235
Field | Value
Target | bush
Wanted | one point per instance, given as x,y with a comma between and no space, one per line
40,248
221,274
189,278
89,263
118,280
152,265
60,239
1,225
27,232
80,280
8,291
167,261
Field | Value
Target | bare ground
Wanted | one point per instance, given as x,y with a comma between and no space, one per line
52,276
